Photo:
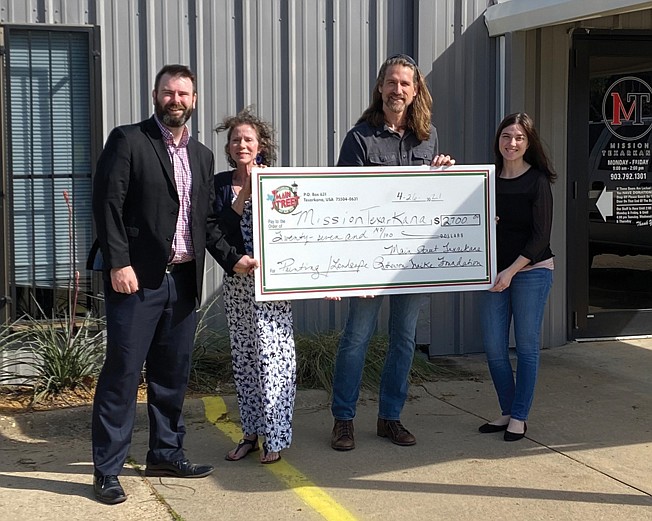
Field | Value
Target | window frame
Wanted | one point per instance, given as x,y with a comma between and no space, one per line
8,285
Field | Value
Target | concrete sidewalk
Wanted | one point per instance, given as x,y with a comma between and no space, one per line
587,455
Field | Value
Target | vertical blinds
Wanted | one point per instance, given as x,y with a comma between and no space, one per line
49,153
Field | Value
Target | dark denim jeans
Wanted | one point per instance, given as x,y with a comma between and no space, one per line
524,301
360,326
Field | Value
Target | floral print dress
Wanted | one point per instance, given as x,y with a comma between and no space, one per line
262,350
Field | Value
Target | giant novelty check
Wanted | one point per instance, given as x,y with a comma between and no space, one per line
369,231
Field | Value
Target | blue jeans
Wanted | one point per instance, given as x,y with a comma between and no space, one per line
525,301
360,326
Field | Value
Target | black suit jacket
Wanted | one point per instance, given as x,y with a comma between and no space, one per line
136,204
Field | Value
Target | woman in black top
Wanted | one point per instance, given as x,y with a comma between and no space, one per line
525,264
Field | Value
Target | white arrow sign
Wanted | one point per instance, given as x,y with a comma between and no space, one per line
605,204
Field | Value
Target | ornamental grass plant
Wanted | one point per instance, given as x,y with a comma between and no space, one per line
212,370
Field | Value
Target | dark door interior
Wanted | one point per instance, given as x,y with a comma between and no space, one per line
610,185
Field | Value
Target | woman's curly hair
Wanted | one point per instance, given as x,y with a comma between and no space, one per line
264,131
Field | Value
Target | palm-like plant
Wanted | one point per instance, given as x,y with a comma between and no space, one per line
50,356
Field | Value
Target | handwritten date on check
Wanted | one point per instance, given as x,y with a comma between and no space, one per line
346,231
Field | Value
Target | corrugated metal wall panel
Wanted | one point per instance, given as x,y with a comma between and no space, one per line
456,53
124,62
551,123
309,67
60,12
17,12
309,72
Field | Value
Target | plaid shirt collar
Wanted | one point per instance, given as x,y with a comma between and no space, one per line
168,138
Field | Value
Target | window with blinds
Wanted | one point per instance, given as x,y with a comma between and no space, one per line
49,165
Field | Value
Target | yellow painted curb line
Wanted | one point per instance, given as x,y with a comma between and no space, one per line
311,494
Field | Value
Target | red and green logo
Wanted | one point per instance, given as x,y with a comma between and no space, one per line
285,199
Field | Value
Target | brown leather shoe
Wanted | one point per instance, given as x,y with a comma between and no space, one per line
394,430
342,435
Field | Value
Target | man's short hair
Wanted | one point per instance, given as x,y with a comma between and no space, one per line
175,70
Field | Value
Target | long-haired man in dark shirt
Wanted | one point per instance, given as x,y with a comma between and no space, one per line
395,130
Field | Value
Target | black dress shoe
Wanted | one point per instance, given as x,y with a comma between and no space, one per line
178,469
515,436
108,490
488,428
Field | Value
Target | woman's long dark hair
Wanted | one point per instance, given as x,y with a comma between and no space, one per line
535,154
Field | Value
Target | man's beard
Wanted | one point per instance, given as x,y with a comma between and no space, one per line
396,105
172,121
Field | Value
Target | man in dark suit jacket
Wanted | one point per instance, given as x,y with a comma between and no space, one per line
153,197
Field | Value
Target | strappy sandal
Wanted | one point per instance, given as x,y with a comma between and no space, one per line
250,445
266,452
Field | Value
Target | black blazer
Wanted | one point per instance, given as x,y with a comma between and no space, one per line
135,205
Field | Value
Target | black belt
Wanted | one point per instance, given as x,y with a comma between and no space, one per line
175,268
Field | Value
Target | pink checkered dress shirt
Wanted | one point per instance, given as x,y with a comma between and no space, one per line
182,247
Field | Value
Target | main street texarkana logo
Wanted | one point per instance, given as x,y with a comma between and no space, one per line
626,105
285,198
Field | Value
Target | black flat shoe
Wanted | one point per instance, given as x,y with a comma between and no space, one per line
515,436
108,490
178,469
488,428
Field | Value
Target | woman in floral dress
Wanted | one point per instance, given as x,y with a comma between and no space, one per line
262,342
